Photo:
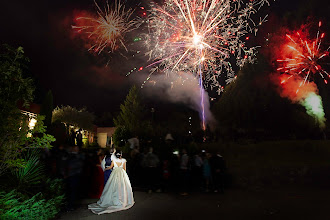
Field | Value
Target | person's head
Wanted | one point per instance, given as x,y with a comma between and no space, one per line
119,154
112,150
61,147
184,151
151,150
107,153
100,152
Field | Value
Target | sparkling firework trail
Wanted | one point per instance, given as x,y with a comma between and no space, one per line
199,37
185,33
304,57
106,31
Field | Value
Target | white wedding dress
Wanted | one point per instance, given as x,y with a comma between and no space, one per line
117,194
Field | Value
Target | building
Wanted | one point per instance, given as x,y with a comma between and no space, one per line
104,136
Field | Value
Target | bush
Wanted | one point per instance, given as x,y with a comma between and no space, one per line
15,205
32,174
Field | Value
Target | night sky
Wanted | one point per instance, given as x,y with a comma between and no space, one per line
60,62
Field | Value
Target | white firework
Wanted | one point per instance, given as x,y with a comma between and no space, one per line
203,37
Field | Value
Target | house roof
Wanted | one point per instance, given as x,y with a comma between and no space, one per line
33,108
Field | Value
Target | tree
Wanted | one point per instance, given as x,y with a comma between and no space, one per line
250,106
14,86
72,116
47,108
120,136
131,115
14,129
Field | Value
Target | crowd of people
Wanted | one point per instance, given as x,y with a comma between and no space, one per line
179,172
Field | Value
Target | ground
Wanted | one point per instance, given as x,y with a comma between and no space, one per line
303,203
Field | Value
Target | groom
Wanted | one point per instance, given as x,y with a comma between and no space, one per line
107,163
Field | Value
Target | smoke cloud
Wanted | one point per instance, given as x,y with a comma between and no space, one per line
181,88
306,95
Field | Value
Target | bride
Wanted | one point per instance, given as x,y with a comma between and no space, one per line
117,194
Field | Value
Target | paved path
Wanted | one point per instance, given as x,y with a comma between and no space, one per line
234,204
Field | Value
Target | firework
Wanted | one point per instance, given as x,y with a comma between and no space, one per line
106,30
314,107
199,37
307,96
304,57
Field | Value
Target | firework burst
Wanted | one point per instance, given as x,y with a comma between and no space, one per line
200,36
304,57
106,30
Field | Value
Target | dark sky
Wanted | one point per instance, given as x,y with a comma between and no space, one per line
60,62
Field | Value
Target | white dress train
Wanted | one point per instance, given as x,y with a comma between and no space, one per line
117,194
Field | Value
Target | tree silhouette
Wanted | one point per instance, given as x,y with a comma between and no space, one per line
132,114
47,108
251,107
72,116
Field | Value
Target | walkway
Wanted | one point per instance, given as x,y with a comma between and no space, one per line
235,204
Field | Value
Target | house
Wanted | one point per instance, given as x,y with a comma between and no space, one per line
32,112
104,136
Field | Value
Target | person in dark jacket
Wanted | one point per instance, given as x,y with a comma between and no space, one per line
73,175
151,163
218,171
107,163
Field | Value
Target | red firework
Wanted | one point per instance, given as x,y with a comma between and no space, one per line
304,57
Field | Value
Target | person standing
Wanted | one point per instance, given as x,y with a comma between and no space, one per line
117,194
134,142
198,171
96,176
61,161
184,172
218,171
151,162
79,138
106,162
207,171
74,171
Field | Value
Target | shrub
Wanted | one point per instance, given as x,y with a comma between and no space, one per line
31,174
15,205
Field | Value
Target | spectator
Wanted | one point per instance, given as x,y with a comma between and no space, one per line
72,137
184,172
218,172
198,170
166,174
207,171
74,171
61,157
134,142
151,163
79,138
134,166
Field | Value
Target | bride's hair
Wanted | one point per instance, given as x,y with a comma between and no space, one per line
118,153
